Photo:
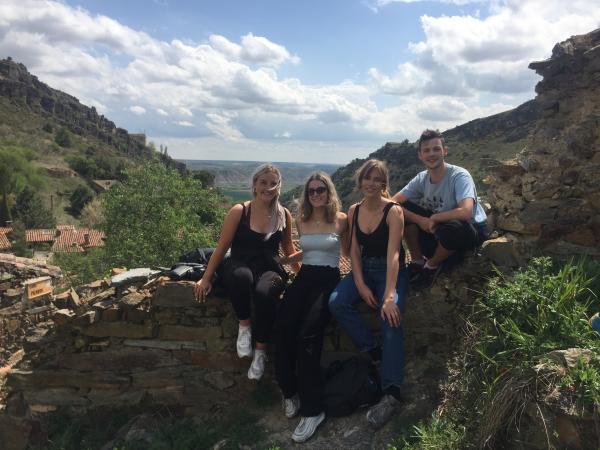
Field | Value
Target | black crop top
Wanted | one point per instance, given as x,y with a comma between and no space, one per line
375,243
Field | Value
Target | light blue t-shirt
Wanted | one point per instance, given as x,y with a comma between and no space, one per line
456,186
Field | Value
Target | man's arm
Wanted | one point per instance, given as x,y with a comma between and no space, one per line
422,222
463,212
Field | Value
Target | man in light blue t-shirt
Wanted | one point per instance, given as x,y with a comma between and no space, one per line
443,216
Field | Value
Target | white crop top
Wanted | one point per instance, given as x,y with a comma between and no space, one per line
320,249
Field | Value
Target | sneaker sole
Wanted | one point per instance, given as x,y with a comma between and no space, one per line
245,355
300,439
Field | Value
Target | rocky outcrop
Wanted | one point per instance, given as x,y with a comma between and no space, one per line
549,194
22,88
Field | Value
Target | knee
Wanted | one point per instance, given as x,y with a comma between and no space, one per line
336,303
269,287
448,235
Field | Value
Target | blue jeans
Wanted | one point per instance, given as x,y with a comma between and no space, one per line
342,304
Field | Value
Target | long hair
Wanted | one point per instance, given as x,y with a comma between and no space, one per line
276,211
379,166
332,207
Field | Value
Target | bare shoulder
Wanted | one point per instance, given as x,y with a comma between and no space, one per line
236,210
341,221
395,210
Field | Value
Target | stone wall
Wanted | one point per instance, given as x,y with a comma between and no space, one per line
549,195
151,344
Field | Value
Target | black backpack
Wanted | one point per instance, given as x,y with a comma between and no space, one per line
350,384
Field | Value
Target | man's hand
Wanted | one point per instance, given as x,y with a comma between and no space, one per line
367,295
391,313
427,224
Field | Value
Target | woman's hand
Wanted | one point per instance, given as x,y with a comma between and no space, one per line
201,289
367,295
391,313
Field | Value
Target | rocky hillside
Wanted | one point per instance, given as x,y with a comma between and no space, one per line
476,145
54,127
548,195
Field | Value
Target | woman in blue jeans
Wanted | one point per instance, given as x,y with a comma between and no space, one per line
380,279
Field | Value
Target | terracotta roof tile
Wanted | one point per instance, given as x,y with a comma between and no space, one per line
4,242
75,240
40,235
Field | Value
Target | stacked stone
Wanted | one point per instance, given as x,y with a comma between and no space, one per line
549,195
16,325
153,344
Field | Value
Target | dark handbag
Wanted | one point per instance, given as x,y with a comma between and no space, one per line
187,271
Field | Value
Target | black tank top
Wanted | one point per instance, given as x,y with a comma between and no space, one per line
249,243
375,243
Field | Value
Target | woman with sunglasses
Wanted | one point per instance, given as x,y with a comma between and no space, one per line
380,279
254,231
304,312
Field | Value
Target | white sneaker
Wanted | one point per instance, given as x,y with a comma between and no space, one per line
291,406
257,368
307,427
244,342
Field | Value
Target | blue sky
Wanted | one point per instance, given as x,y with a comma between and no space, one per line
313,81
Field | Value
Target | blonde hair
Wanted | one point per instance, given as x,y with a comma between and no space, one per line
381,167
277,211
332,207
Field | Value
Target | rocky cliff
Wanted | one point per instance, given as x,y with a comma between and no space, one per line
23,89
548,195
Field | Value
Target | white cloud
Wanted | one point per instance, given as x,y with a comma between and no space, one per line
137,109
234,90
220,125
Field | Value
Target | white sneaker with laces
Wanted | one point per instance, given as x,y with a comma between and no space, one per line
244,342
291,406
307,427
257,368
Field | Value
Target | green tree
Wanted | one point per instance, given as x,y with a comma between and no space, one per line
205,177
19,240
16,172
79,198
63,138
156,214
30,210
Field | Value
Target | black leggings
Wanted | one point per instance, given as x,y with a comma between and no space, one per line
261,288
301,321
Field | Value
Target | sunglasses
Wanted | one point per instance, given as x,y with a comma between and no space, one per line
316,191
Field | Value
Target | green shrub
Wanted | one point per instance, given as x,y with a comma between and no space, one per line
438,433
155,215
63,138
82,268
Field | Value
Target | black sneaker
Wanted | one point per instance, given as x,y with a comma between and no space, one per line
425,278
414,269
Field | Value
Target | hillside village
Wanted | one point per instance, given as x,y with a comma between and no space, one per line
139,344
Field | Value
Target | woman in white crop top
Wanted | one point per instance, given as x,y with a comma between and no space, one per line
304,312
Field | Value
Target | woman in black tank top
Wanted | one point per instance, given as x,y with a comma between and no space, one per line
379,278
254,231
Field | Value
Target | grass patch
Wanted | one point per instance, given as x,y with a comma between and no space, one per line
504,365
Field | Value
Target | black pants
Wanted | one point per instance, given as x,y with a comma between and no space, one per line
454,235
301,321
247,283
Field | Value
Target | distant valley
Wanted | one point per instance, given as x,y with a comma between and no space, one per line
233,177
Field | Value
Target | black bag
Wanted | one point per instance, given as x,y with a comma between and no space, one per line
350,384
187,271
199,256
